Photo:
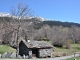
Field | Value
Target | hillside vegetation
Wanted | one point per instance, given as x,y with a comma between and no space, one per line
59,33
59,23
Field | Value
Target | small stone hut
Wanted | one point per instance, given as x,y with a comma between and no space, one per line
37,49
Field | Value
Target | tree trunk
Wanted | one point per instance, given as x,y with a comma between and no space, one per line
17,52
17,41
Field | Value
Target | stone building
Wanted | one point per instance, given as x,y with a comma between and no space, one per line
37,49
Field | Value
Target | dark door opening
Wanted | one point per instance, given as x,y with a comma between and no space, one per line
35,53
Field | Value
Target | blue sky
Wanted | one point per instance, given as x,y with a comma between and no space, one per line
60,10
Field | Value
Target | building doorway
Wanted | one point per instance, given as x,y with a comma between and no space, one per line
35,53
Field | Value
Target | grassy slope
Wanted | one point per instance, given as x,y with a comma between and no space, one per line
78,58
74,48
5,48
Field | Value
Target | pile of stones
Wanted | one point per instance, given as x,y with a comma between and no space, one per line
12,56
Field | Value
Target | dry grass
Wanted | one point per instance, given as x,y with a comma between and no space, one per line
74,48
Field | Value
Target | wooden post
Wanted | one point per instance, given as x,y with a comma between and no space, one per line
74,56
79,54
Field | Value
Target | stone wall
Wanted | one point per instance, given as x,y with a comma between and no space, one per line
30,53
45,53
12,56
23,49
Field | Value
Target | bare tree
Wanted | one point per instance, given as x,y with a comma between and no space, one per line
20,12
75,34
43,33
59,36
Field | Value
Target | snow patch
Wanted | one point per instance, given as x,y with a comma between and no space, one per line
40,18
4,14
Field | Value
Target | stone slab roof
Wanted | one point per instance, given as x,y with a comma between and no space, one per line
37,44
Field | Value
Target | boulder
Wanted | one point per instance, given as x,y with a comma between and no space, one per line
23,56
13,55
4,55
19,57
8,55
29,56
26,57
0,55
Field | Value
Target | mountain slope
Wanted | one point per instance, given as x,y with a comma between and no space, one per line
59,23
38,21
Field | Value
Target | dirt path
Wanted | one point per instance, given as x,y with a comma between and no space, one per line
63,58
57,58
